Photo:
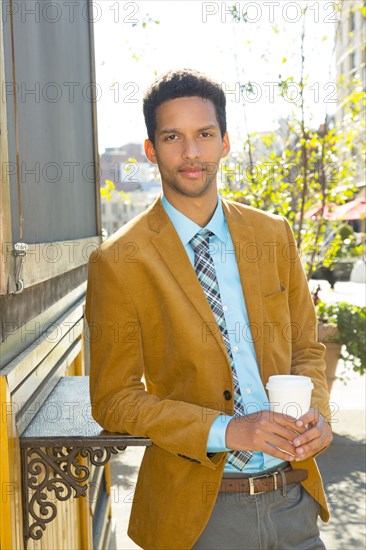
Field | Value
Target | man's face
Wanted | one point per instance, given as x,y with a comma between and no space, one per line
188,147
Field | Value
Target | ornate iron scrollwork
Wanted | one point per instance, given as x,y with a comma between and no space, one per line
55,470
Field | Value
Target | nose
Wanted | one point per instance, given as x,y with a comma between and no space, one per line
191,149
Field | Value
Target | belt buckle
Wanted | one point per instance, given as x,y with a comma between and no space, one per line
252,490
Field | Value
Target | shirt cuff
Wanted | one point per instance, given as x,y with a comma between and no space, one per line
216,437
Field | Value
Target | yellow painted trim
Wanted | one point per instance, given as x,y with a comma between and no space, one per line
107,473
5,511
79,362
86,527
81,366
6,441
76,367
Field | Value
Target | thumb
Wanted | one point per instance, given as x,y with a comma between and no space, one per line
311,417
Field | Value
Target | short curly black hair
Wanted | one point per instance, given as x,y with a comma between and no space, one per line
182,83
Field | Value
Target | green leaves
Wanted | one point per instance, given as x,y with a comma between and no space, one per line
107,190
299,169
350,321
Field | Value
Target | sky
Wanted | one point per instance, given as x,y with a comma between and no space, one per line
131,49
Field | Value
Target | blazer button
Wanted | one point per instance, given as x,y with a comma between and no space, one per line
227,395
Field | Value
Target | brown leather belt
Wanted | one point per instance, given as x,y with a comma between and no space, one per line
255,485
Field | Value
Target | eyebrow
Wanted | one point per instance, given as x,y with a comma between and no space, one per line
176,130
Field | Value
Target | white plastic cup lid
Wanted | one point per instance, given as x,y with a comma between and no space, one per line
291,381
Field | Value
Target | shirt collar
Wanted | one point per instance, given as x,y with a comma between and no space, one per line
187,228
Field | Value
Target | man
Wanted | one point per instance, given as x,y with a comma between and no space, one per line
206,299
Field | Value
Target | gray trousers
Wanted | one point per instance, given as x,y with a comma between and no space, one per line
269,521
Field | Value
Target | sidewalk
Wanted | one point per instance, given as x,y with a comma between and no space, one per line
342,466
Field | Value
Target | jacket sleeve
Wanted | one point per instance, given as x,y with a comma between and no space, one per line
307,352
120,402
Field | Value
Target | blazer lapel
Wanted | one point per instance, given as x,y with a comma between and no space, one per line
171,250
247,256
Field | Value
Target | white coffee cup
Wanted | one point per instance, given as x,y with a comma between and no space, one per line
289,394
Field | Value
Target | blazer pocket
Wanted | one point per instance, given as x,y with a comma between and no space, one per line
276,307
276,294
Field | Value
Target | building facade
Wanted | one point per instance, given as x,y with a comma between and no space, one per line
136,185
351,69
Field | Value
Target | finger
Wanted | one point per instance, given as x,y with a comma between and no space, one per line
278,453
309,435
311,417
267,431
320,429
282,418
281,444
314,443
310,449
288,421
287,433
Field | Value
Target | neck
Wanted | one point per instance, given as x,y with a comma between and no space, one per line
198,209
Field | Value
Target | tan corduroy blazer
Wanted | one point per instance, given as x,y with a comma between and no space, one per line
148,317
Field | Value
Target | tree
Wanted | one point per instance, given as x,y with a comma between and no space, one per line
299,169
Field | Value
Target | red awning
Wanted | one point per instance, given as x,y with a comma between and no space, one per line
315,211
353,210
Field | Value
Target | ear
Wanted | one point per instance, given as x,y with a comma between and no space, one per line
150,151
225,145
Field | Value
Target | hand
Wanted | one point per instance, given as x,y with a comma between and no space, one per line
317,436
264,431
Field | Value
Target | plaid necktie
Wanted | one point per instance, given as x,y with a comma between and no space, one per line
205,270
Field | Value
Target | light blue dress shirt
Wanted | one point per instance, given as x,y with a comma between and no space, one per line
237,323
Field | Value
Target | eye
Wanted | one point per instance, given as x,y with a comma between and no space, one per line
206,134
172,137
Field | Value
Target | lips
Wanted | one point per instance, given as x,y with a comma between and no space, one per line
192,171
